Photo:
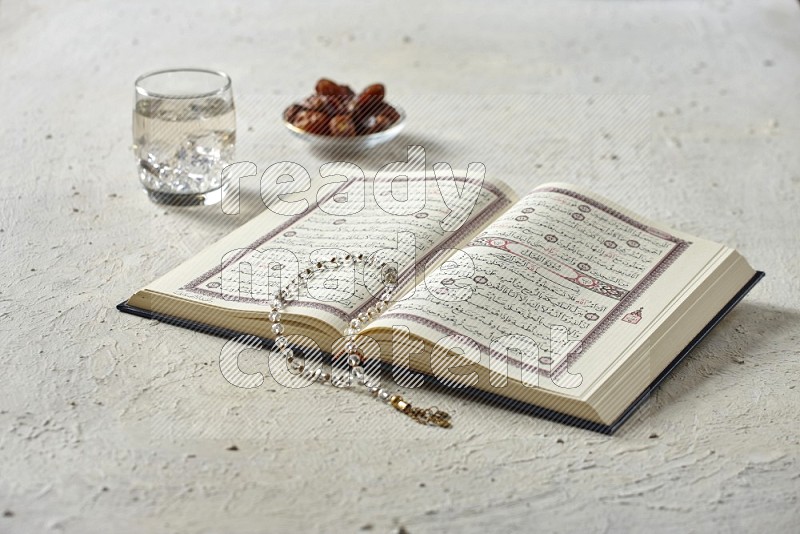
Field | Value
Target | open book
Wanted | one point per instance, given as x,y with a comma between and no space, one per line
561,299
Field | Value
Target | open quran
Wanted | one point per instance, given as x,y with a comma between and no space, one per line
560,301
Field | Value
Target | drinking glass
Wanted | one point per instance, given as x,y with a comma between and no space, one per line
184,134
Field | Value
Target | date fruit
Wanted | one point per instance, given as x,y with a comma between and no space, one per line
342,126
335,110
311,121
290,112
327,87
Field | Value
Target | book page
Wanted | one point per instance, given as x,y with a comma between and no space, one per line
245,269
540,286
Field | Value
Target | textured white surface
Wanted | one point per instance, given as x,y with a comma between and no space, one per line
113,423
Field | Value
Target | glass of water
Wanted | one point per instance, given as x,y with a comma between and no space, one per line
184,134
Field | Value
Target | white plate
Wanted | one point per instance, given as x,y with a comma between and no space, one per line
359,142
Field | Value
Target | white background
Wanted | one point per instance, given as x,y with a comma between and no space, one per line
109,422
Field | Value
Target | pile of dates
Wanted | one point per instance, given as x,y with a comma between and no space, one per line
335,110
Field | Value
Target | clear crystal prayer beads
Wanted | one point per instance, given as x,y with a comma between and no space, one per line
354,357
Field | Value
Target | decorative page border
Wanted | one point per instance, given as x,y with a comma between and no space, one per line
604,324
500,202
